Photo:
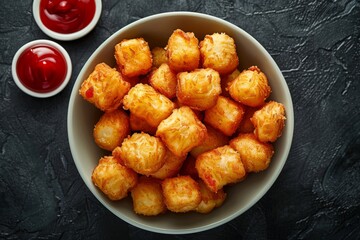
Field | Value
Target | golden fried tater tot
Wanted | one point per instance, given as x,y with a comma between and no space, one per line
133,57
111,129
138,124
255,155
171,166
226,80
105,88
188,167
269,121
159,56
181,194
181,131
198,89
220,167
113,179
213,139
147,197
116,154
183,51
145,102
143,153
218,51
250,87
246,125
225,115
163,79
209,199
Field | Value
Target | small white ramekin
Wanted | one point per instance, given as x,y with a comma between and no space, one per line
67,36
39,94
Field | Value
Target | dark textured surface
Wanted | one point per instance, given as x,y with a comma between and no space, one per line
317,196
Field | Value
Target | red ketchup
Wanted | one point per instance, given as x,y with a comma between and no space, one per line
41,68
66,16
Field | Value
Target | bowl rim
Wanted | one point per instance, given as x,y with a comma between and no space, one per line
66,36
40,94
259,195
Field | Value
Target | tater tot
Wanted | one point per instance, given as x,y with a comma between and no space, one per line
147,197
181,194
171,166
163,79
269,121
181,131
183,51
145,102
159,56
220,167
111,129
226,80
113,179
213,139
105,88
209,199
199,114
143,153
255,155
138,124
198,89
225,115
133,56
218,51
246,125
250,87
188,167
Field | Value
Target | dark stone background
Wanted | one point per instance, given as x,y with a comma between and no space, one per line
317,196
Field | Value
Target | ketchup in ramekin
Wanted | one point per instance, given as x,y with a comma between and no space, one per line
41,68
66,16
66,19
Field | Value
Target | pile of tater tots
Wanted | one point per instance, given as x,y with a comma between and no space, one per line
180,122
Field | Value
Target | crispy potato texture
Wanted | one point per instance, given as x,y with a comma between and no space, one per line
105,88
163,80
246,125
250,87
113,179
183,51
269,121
171,166
225,115
220,167
226,80
255,155
218,51
209,199
111,129
145,102
133,57
198,89
159,56
188,167
181,131
147,197
143,153
181,194
138,124
213,139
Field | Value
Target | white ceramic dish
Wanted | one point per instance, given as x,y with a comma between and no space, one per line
42,94
69,36
156,29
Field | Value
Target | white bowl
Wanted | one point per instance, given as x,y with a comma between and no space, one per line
68,36
156,29
27,90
